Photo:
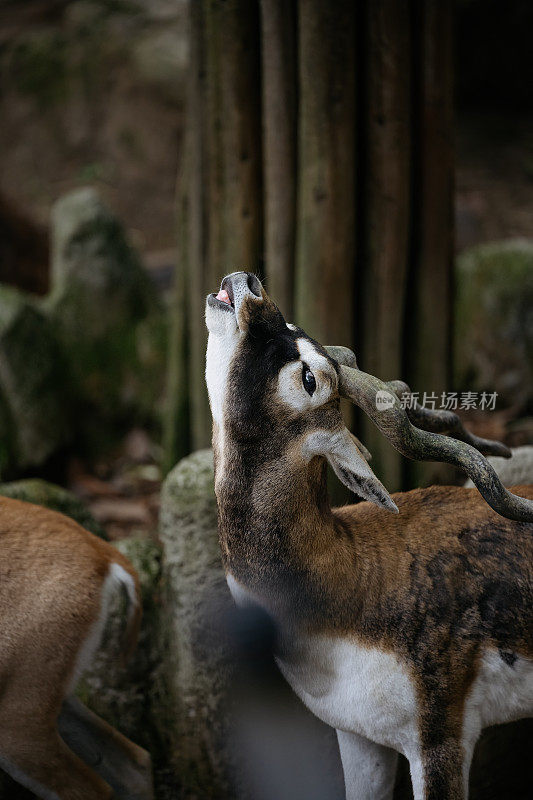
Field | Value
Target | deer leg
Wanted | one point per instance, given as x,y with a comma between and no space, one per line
41,762
439,773
125,766
369,768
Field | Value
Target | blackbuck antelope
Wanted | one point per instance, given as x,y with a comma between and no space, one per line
56,585
406,632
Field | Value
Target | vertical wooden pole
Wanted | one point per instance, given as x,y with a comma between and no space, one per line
279,67
430,352
385,200
198,233
428,357
325,249
176,439
225,206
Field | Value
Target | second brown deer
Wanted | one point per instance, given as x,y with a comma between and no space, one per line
57,582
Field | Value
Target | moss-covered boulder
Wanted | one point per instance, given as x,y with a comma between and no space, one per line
33,393
238,730
195,592
494,320
105,312
128,696
42,493
515,471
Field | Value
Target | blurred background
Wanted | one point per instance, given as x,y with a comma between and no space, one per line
372,162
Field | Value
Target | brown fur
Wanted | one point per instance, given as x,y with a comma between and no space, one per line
51,577
435,585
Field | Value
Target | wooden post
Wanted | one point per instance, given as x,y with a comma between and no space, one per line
279,65
196,234
429,357
385,160
176,412
336,125
429,322
325,250
224,176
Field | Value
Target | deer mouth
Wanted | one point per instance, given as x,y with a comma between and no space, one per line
224,298
235,290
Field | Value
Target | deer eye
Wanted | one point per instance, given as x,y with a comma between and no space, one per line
308,380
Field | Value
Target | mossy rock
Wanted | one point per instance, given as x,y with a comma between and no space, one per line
129,696
515,471
195,595
34,395
106,314
494,320
42,493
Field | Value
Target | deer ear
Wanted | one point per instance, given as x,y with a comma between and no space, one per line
348,465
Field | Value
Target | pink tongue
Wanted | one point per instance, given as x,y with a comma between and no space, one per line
224,296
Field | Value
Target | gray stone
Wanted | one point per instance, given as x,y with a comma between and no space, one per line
42,493
33,422
162,59
126,695
195,594
239,730
105,312
494,320
515,471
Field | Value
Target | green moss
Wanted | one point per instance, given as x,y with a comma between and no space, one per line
494,320
40,69
46,494
132,698
34,392
108,318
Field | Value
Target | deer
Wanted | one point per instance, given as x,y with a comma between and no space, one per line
57,583
403,621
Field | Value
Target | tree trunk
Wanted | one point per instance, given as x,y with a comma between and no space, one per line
385,209
279,147
342,142
428,355
24,250
195,227
224,205
325,251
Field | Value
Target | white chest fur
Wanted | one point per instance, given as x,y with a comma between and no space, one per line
354,688
347,685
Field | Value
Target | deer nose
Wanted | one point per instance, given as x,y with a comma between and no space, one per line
241,283
241,287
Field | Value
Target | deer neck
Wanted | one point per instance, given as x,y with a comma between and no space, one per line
276,526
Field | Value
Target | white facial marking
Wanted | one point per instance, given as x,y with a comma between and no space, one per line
291,327
290,387
221,344
311,356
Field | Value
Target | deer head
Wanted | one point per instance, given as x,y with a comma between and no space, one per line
275,397
274,391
